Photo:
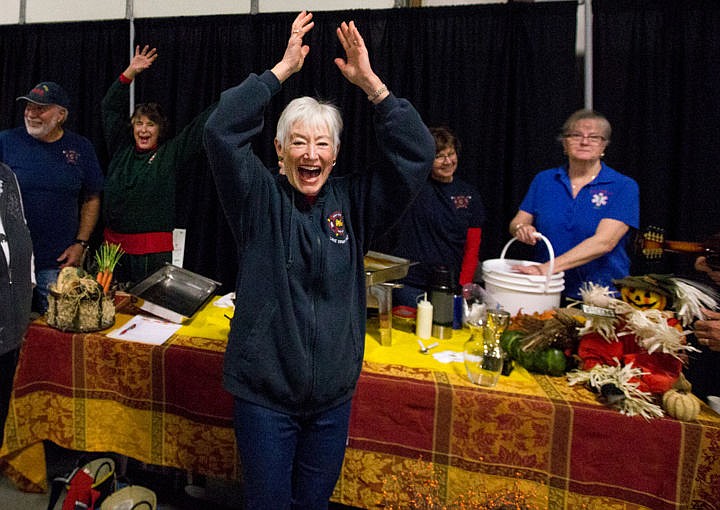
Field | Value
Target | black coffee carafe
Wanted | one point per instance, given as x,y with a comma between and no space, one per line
441,294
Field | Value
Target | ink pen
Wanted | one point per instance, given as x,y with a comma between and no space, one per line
132,326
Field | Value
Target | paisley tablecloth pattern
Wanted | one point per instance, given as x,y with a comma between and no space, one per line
415,420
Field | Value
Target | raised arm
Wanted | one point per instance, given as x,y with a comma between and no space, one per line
356,67
116,103
295,53
141,61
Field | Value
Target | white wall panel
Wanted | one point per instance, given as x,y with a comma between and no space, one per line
51,11
445,3
334,5
9,11
170,8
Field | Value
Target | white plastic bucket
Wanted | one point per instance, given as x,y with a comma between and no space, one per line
519,283
515,291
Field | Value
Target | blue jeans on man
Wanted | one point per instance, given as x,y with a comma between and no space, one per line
43,277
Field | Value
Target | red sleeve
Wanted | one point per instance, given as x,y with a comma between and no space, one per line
124,79
471,256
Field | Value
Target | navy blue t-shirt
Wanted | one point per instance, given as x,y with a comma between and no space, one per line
433,230
54,178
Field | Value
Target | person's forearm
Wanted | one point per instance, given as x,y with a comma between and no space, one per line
588,250
89,214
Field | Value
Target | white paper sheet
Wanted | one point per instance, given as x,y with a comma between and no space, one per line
147,330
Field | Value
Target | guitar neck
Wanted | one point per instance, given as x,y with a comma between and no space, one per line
683,247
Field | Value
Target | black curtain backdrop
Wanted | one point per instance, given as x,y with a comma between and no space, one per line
503,76
657,78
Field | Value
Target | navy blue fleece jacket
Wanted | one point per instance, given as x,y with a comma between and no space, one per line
297,336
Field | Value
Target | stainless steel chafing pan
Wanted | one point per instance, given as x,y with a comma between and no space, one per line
380,268
174,293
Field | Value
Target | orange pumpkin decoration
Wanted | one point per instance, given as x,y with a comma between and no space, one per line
644,298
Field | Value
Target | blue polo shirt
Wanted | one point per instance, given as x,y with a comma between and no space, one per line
567,221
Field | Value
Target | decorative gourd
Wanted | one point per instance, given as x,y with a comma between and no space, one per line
683,384
681,405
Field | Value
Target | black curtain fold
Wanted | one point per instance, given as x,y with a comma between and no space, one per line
657,79
503,76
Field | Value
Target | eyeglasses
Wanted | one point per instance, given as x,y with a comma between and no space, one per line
449,155
579,137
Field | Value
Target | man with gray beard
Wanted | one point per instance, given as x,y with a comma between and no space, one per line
60,181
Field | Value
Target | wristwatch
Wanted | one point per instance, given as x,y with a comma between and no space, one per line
82,243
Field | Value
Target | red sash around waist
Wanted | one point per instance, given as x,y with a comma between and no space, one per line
141,244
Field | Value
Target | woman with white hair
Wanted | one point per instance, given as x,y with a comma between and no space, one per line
296,340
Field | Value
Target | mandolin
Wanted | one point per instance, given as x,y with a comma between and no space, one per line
652,244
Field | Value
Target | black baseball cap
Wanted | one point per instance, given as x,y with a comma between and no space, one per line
47,92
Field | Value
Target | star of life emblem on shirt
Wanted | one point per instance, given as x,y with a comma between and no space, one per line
599,199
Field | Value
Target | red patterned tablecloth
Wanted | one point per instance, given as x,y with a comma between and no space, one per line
416,424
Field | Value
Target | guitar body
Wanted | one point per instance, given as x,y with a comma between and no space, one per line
652,244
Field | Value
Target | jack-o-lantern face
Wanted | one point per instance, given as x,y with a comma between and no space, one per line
643,299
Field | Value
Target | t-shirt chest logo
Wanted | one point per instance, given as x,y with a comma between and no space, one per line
336,224
71,157
461,201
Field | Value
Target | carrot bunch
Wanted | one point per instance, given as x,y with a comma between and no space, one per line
107,257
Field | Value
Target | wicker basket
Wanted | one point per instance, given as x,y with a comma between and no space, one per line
79,315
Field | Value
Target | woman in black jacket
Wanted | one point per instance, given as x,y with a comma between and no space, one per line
296,341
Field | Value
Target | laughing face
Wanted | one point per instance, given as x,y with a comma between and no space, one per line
44,122
146,132
308,157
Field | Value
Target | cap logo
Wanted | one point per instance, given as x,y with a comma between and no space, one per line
40,91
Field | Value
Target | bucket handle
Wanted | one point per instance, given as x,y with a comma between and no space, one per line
551,262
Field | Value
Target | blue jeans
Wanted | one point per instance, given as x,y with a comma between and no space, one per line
44,278
290,462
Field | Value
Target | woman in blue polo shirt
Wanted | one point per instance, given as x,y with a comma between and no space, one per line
585,209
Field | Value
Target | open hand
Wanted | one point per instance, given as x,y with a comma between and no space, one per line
356,67
142,60
295,53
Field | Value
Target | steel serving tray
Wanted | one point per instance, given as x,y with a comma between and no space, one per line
173,293
381,268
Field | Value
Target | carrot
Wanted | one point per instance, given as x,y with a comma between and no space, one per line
106,259
107,281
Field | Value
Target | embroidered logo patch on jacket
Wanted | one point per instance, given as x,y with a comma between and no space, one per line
336,224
